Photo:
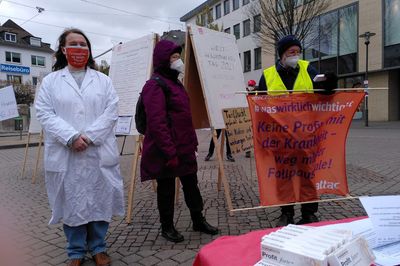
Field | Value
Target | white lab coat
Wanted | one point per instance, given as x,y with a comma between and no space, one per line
81,186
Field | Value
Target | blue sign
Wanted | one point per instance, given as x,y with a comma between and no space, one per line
15,69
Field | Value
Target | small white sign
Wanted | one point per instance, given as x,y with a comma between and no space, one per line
123,125
34,125
8,103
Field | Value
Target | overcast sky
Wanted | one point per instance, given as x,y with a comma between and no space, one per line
106,23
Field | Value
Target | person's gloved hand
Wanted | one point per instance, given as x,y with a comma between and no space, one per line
173,163
330,83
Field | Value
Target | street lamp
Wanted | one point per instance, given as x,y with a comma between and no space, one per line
366,35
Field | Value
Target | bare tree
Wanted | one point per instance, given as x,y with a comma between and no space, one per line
279,18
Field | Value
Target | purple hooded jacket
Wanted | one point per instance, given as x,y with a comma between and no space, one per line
168,133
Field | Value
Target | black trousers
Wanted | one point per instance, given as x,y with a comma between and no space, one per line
307,208
166,197
212,146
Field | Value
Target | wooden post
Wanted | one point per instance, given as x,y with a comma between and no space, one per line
37,157
222,134
138,142
221,172
26,154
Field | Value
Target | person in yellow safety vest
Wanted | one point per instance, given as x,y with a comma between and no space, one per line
292,74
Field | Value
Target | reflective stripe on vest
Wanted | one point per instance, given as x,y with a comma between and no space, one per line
274,82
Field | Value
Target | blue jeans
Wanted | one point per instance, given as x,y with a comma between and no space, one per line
86,237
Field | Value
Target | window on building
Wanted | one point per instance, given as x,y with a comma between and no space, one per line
328,40
35,81
14,79
236,31
35,41
311,43
331,44
38,60
392,33
227,30
235,4
245,2
10,37
246,61
227,7
13,57
257,23
257,58
218,11
280,4
347,61
246,27
203,20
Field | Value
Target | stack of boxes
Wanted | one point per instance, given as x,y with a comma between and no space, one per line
296,245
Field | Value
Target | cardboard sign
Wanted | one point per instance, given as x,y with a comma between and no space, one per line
213,73
238,126
8,103
299,144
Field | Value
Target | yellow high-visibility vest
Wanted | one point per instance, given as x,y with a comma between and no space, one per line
274,82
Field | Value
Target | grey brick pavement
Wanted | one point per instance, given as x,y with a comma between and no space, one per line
372,166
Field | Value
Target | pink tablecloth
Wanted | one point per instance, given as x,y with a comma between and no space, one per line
243,250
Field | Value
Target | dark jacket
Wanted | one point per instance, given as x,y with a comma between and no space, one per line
169,131
289,75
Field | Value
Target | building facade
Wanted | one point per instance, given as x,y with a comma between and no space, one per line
232,17
336,45
339,48
24,58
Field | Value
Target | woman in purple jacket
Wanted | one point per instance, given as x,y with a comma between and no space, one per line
170,142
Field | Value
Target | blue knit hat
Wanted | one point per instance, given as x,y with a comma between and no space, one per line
286,42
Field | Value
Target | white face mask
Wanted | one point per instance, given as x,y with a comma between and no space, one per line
178,65
291,61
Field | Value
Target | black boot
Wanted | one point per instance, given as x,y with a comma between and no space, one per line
208,157
170,233
307,218
285,219
200,224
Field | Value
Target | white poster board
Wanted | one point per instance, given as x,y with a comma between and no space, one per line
220,71
130,68
8,103
34,125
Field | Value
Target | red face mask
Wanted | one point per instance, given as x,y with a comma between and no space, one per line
77,56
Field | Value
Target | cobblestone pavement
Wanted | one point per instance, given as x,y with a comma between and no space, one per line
372,156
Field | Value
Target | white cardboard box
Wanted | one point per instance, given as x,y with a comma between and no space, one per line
354,253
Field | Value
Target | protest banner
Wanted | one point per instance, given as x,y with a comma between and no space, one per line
238,128
299,144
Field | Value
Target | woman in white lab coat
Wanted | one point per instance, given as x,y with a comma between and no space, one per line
77,107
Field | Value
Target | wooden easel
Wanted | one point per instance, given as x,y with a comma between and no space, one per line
195,84
37,157
132,182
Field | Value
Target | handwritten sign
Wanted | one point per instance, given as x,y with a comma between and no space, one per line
130,69
238,127
8,103
299,144
220,70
